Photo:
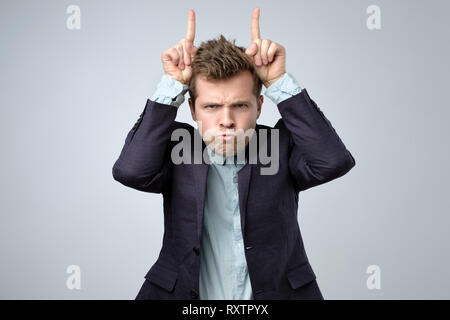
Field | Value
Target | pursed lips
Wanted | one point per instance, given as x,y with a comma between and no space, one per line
227,136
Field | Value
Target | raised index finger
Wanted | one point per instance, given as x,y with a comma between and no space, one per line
190,33
255,24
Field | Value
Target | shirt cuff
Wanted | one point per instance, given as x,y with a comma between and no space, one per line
282,89
170,91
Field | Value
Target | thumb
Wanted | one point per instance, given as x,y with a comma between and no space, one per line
252,50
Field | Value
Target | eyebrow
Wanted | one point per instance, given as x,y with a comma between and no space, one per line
218,104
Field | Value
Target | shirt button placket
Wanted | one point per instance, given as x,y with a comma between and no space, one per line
235,193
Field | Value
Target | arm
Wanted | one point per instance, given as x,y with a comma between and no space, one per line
144,162
170,91
316,153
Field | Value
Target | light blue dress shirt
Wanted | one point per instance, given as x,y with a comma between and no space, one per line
170,91
223,266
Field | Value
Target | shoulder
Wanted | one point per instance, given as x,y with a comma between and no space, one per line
179,130
182,125
283,133
280,125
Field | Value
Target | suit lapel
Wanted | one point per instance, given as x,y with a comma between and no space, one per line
200,172
244,176
201,175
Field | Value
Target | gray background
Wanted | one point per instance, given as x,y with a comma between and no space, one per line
68,99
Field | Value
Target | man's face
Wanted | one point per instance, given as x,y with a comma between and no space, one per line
226,107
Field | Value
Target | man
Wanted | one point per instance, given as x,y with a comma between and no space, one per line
231,232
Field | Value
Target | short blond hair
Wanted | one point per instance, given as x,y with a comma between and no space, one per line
220,59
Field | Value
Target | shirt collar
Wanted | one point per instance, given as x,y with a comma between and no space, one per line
220,159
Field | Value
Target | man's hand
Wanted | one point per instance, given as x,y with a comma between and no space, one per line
269,57
177,59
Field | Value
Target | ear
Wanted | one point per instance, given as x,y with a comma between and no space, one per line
192,107
260,102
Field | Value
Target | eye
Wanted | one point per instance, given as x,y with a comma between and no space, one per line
212,106
241,105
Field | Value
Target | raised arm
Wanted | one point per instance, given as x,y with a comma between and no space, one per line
144,162
316,154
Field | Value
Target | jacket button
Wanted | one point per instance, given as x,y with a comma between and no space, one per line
194,294
196,250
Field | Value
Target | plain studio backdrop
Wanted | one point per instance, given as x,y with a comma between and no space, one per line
69,97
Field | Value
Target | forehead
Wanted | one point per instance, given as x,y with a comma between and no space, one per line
238,87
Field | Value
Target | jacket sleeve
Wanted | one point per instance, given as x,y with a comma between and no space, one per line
316,153
144,162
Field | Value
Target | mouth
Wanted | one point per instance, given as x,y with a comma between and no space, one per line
227,136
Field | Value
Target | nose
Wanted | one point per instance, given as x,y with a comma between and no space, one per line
226,119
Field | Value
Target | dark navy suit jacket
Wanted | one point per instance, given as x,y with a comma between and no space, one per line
311,153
